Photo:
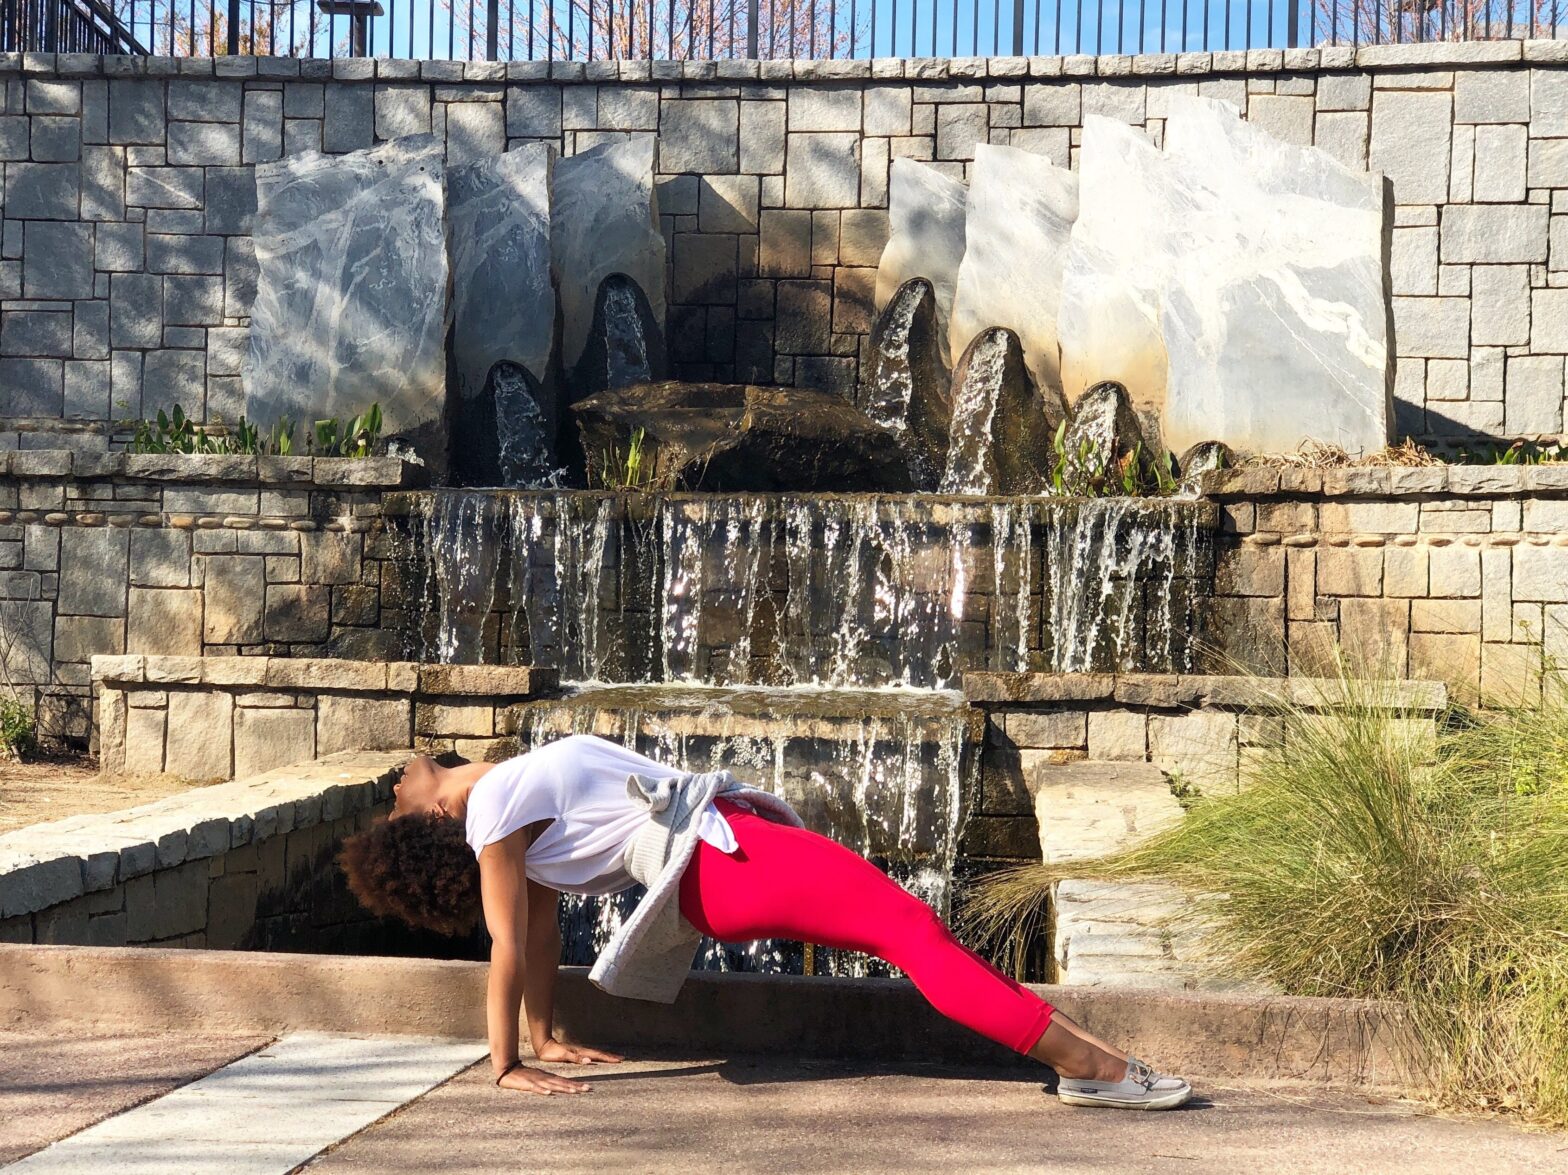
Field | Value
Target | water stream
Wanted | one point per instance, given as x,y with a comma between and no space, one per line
883,772
786,590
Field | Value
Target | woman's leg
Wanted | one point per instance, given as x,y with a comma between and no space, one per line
790,883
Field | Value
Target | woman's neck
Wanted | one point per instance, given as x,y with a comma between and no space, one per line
457,784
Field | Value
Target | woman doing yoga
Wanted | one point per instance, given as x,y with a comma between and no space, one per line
584,815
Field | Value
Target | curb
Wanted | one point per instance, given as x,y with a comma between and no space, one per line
1323,1041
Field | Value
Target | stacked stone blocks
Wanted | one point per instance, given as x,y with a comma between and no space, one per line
105,553
1201,731
1458,574
195,869
127,271
213,718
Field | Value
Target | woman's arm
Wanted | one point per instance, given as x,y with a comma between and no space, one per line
502,889
541,958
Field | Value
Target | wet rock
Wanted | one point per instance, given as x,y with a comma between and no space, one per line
605,221
503,301
525,435
1002,426
1204,457
1021,212
739,437
624,346
1101,436
351,296
910,390
926,213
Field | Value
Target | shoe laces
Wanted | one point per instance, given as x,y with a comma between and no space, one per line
1139,1072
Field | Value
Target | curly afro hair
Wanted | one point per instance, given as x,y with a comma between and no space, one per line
418,868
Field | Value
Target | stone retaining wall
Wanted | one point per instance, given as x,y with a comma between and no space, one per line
106,553
1459,574
245,864
127,269
1199,730
225,717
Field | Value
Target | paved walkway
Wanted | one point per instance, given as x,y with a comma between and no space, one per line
338,1098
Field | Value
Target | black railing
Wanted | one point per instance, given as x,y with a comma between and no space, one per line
63,26
579,30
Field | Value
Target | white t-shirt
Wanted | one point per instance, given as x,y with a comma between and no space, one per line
578,783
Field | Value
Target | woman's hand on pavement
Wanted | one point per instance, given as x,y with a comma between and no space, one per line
538,1081
572,1054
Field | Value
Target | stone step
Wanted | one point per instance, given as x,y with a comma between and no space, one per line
1091,809
1137,934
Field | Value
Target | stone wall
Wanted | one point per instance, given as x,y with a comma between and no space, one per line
247,864
227,717
104,553
1457,574
1200,731
127,270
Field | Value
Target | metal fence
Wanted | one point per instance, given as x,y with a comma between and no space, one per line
578,30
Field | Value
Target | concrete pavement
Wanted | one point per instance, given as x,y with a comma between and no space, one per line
762,1115
736,1114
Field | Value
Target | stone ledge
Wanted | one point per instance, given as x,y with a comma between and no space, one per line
1464,481
153,989
207,468
1425,55
1171,691
45,864
323,674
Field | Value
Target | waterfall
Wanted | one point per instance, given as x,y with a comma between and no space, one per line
1120,587
979,386
625,346
784,590
882,772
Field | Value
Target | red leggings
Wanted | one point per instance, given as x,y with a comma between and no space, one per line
785,882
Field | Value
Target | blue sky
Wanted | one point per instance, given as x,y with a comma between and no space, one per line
920,28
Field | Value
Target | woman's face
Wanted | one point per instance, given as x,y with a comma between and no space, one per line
419,790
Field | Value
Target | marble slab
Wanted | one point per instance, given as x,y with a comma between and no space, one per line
605,220
351,298
1020,214
503,299
926,211
1276,324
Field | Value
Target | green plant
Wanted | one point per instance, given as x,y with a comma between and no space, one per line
16,727
1364,857
1515,453
357,438
174,432
628,469
1085,472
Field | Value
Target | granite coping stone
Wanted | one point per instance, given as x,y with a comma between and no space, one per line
45,864
1171,691
204,468
1423,55
1464,481
324,674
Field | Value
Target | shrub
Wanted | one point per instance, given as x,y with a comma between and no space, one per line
16,727
1360,859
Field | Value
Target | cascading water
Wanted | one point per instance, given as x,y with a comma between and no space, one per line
804,643
881,771
626,347
974,410
756,589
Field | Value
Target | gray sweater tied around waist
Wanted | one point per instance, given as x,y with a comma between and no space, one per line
650,955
